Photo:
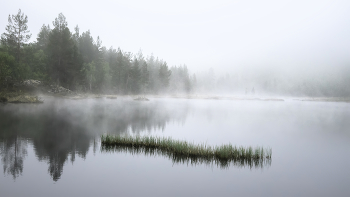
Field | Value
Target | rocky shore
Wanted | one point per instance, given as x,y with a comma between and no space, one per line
19,98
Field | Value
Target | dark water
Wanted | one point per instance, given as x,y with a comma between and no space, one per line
53,149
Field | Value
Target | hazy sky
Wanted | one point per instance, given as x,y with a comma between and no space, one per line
225,35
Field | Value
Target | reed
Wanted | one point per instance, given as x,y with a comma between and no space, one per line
183,149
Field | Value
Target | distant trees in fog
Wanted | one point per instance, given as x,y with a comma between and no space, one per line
321,83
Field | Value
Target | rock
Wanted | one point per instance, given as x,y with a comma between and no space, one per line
141,99
32,82
59,89
24,99
111,97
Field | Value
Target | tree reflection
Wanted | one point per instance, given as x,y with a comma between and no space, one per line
13,151
192,160
13,148
59,137
61,130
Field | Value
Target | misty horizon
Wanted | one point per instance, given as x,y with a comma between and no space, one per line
225,35
286,70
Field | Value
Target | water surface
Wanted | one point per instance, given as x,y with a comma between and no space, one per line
53,149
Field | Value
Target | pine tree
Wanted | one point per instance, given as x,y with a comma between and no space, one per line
64,64
87,47
144,77
135,77
43,37
6,62
17,34
164,76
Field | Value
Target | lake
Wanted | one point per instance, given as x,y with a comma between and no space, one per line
54,148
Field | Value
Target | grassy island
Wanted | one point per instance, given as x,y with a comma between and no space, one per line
183,149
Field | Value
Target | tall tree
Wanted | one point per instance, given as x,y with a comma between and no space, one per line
76,35
135,77
43,37
144,77
87,48
6,62
120,71
180,79
164,76
144,73
17,33
63,55
89,71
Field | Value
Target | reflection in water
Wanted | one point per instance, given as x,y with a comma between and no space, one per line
181,159
62,128
13,151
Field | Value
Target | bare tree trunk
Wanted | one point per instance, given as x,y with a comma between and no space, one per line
126,85
90,81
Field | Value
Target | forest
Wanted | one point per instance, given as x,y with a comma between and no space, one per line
78,62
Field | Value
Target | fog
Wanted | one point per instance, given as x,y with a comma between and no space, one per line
243,73
297,48
58,142
225,35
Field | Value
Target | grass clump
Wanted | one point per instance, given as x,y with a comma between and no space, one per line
184,151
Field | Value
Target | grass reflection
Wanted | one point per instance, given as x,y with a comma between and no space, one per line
184,152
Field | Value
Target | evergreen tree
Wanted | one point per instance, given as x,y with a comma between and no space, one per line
43,37
121,71
144,73
135,77
64,64
164,76
186,79
112,60
6,63
17,34
102,67
144,77
89,73
87,48
180,79
76,35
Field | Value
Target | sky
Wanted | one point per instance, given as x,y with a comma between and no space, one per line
229,36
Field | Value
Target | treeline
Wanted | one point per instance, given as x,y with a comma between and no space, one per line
78,62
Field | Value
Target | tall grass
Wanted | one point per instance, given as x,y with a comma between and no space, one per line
182,151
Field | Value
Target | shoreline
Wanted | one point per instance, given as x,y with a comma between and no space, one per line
207,97
37,97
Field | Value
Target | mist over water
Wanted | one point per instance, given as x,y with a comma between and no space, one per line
307,140
63,128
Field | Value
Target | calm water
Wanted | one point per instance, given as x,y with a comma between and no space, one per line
53,149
